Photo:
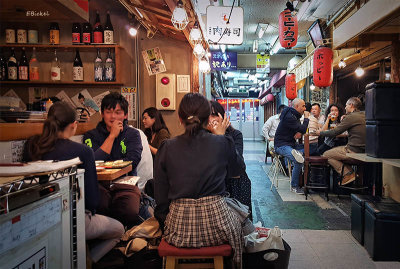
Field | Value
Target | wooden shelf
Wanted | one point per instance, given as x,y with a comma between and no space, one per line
63,83
61,47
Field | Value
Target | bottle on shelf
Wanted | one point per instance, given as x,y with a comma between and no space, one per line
12,67
109,67
108,31
77,71
33,34
54,33
98,30
23,67
87,33
10,35
98,67
76,33
34,66
3,67
21,36
55,71
49,103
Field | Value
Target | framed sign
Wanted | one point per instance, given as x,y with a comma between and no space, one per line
262,63
154,61
219,30
130,94
183,83
223,61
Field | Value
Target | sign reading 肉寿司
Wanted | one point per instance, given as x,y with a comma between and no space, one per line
224,27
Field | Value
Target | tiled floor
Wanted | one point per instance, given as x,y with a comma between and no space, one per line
317,231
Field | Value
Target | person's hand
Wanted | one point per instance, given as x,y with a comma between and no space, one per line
116,128
329,117
297,135
221,125
318,132
271,139
306,114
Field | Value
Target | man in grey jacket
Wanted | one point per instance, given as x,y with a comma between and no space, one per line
354,123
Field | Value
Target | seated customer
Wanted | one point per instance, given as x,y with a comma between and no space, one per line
290,129
354,123
54,144
113,140
189,181
333,115
313,126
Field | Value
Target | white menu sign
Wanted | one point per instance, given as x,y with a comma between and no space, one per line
224,27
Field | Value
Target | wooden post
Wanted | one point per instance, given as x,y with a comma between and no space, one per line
395,62
195,74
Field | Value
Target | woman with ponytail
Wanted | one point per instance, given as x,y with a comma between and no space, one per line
54,144
189,182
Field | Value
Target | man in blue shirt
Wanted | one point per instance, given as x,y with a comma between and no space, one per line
289,129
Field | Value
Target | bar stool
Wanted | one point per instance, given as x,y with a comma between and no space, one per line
276,168
358,167
318,167
172,254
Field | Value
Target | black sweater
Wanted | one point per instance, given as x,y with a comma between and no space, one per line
288,126
193,167
66,149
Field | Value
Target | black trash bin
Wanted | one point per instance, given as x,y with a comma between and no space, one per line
256,260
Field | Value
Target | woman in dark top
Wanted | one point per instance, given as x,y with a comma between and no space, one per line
190,172
155,130
54,144
333,115
238,187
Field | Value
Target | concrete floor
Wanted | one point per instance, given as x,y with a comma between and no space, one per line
317,231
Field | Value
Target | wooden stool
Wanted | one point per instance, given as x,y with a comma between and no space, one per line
358,168
172,254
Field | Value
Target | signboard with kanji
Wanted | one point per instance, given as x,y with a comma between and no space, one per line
223,61
224,27
262,64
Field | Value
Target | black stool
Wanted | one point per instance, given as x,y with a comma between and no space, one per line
358,212
358,184
317,174
381,234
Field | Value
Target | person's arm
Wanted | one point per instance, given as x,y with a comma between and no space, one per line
161,185
161,136
90,139
134,147
116,129
343,126
92,194
267,126
237,137
326,124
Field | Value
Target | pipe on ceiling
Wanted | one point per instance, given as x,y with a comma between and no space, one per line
340,11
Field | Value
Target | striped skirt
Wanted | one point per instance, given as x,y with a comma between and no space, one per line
204,222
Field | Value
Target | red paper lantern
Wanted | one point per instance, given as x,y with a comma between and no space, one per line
270,97
323,67
290,83
288,29
165,80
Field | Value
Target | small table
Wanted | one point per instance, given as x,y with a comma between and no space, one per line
112,174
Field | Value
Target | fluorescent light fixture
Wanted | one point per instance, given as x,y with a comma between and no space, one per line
261,29
223,48
255,46
276,46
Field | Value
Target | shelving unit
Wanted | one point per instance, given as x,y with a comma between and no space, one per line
69,48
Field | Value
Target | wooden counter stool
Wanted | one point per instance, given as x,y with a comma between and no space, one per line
316,168
172,255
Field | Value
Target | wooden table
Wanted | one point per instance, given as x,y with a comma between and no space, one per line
112,174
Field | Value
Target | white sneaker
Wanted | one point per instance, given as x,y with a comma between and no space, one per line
298,156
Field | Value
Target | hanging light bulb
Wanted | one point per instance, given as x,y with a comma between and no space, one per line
359,71
134,27
179,17
342,64
195,34
204,65
198,50
312,87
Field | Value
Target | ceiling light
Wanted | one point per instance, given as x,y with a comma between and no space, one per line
312,87
359,71
198,50
342,64
179,17
204,65
387,76
133,28
255,46
261,29
195,34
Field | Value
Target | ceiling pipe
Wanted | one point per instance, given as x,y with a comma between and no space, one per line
337,14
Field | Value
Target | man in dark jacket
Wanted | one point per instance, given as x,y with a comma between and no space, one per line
114,140
290,129
354,123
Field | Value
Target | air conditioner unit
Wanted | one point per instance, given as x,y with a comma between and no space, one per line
242,82
238,94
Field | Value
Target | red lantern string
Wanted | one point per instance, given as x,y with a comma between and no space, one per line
290,83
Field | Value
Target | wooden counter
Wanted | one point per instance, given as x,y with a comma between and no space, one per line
21,131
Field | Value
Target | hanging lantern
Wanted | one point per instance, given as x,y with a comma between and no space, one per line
204,65
179,17
323,67
288,29
195,34
290,83
198,50
270,97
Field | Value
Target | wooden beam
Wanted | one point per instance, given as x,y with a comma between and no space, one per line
161,13
395,62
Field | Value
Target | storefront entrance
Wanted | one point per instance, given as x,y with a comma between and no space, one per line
245,115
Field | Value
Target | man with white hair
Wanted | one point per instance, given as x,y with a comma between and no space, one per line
289,129
269,130
354,123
